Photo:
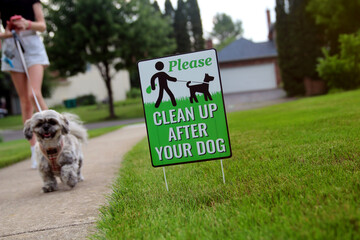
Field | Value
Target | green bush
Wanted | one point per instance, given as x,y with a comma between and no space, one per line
1,139
342,70
86,100
133,93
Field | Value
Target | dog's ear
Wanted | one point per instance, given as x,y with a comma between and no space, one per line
28,131
64,125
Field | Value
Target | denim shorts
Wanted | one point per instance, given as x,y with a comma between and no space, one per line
35,52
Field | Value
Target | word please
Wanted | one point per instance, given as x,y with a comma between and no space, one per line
192,64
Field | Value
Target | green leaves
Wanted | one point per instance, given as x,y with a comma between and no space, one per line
225,28
109,34
342,70
299,43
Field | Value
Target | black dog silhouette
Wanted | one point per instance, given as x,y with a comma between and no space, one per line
201,88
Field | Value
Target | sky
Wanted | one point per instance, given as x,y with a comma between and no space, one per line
252,14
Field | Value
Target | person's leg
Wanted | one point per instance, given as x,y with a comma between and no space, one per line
161,93
171,95
36,73
21,86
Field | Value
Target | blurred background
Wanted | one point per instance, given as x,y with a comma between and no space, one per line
267,49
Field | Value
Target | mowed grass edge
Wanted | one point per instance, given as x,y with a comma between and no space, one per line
294,174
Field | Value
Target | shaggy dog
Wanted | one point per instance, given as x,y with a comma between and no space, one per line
201,88
58,147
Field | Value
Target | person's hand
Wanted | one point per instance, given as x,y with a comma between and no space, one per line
21,24
7,29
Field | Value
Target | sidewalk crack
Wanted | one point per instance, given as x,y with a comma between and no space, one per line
46,229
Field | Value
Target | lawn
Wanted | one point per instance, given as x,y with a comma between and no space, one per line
19,150
131,108
294,174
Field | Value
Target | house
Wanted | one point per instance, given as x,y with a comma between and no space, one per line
89,82
247,66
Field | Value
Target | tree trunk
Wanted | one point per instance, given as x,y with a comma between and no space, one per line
105,73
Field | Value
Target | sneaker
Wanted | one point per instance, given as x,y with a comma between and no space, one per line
33,160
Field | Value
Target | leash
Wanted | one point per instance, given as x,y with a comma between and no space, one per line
21,51
191,81
148,89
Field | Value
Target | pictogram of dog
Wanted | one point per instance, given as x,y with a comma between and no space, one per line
200,88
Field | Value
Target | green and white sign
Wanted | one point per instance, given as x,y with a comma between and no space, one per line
184,108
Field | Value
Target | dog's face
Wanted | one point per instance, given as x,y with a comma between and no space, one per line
208,78
46,125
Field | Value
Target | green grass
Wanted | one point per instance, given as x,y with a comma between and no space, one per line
11,122
294,174
18,150
131,108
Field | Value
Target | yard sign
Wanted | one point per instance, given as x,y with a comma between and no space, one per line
184,108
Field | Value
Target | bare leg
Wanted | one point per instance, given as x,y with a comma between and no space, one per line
36,73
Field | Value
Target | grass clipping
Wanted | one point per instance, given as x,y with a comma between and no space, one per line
294,174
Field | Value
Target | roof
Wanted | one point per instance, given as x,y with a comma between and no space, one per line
243,49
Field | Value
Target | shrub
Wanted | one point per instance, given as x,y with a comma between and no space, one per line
85,100
342,70
133,93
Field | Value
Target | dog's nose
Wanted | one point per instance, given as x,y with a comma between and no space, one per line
46,127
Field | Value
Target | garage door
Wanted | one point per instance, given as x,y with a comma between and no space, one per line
248,78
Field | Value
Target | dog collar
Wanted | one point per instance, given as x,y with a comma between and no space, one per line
52,154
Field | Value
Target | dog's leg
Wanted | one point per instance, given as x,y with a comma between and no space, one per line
195,98
192,93
49,180
69,175
80,177
205,97
69,169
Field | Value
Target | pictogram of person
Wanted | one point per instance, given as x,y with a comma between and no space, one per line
162,77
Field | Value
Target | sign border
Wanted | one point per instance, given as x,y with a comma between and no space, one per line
222,96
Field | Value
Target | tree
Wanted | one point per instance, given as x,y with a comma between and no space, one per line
112,35
336,17
342,70
169,10
156,6
299,43
169,15
224,27
181,28
196,25
6,87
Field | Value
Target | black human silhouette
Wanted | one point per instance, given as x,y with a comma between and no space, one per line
200,88
163,78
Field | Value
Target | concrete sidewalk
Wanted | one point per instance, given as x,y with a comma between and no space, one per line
27,213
